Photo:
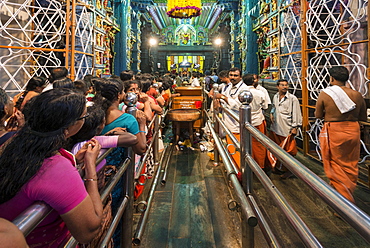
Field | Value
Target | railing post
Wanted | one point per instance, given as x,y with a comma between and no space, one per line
215,123
246,97
127,217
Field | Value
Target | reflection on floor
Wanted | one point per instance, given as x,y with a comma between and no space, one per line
191,209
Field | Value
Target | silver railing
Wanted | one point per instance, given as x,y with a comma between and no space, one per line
354,216
33,215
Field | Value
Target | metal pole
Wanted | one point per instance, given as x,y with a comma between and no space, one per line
128,178
245,97
246,208
31,217
354,216
123,206
73,41
299,226
144,217
215,124
165,169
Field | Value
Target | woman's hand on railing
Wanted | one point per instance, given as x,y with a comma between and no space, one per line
125,139
80,155
141,118
84,220
143,97
91,154
116,131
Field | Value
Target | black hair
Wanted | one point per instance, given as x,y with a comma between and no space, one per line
339,73
127,84
32,84
145,86
4,100
87,79
80,86
248,79
166,83
235,69
106,91
48,116
63,83
57,73
126,75
223,74
90,126
281,80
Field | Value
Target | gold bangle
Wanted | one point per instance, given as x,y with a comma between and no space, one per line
90,179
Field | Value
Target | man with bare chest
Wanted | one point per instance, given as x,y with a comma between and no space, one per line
342,108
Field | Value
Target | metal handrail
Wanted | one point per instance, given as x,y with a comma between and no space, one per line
72,242
144,217
245,206
31,217
354,216
299,226
231,113
229,133
142,162
37,212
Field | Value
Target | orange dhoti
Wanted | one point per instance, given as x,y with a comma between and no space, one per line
287,143
258,150
340,149
235,155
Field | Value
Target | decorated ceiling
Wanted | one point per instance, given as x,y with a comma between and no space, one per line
187,31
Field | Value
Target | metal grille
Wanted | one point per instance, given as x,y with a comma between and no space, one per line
31,33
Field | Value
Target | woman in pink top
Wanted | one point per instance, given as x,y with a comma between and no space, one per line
34,167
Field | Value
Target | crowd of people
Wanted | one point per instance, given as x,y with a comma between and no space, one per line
52,133
340,107
285,115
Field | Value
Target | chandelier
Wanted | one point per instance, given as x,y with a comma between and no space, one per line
183,9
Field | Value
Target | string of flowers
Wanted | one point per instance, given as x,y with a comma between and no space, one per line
175,10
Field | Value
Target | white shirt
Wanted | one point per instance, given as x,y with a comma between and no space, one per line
287,114
48,87
232,92
258,103
195,82
265,92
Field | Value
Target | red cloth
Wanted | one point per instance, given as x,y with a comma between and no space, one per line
139,187
340,149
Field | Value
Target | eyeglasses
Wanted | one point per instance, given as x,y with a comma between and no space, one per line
83,117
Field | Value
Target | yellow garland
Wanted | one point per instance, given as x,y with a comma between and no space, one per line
183,8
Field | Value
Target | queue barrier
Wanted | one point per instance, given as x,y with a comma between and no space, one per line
33,215
354,216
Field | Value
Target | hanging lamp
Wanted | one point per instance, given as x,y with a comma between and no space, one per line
183,9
